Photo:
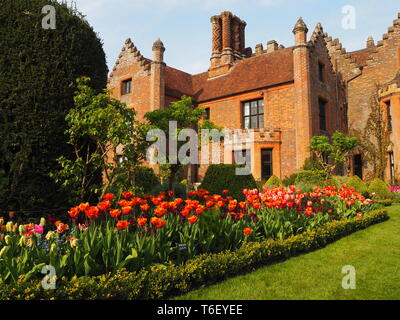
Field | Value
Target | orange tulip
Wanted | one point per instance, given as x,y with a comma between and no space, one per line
61,228
104,205
247,231
142,221
127,194
144,207
92,212
74,212
108,196
84,206
159,211
127,210
200,209
159,223
115,213
122,224
193,219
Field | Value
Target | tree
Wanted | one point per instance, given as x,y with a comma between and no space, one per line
97,126
186,116
330,153
375,140
37,83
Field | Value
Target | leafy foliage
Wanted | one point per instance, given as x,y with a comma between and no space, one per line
357,184
37,75
290,180
312,164
380,188
221,177
314,178
273,181
97,125
141,180
163,281
375,138
330,153
186,116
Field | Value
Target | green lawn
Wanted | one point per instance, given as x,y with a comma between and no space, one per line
374,252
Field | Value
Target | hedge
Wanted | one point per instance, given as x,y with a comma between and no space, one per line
273,181
357,184
221,177
380,188
163,281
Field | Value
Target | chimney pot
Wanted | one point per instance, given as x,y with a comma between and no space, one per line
272,46
370,42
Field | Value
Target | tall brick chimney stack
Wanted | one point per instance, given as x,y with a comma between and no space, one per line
228,42
302,88
157,82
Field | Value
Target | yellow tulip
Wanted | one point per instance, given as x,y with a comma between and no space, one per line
7,239
9,226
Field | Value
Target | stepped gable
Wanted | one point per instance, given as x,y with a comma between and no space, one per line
130,54
320,36
346,64
393,30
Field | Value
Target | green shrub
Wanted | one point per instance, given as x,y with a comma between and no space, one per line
310,164
274,181
290,180
380,188
396,197
221,177
142,180
386,202
357,184
308,177
340,181
178,188
146,178
37,75
163,281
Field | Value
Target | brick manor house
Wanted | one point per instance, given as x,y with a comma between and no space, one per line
287,95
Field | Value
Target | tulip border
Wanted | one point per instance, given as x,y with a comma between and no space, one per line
161,282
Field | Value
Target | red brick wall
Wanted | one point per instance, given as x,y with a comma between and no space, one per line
130,66
380,68
278,114
330,89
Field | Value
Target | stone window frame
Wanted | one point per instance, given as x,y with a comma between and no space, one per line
259,115
123,81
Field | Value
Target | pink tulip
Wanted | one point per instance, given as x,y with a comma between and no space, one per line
38,229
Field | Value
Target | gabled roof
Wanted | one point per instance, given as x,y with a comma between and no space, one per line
252,73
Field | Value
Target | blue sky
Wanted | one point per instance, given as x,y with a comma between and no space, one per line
185,29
